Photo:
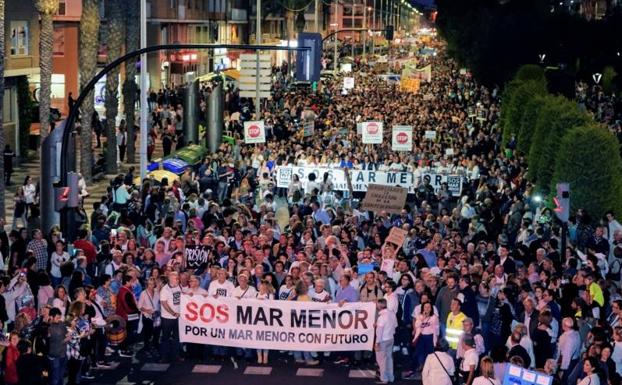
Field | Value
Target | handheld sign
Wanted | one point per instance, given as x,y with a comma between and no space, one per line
396,236
254,132
372,132
348,83
384,198
402,138
308,128
197,256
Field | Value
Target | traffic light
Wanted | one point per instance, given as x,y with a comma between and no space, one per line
67,196
388,33
61,197
562,202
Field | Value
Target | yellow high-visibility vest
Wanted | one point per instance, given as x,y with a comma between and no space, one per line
454,329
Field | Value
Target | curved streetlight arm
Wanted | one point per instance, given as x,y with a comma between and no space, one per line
66,165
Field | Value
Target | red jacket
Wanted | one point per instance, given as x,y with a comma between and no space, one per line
89,250
126,303
10,371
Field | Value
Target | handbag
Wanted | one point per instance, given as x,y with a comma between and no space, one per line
156,317
451,378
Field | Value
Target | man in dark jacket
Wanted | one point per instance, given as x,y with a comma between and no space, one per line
31,368
469,302
57,354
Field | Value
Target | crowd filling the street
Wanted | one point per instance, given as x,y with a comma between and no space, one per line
266,251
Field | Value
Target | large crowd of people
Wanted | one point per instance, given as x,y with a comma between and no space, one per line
480,280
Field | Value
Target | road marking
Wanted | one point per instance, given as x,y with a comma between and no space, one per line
359,373
258,370
153,367
113,366
212,369
309,372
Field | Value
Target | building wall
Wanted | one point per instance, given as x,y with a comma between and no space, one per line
21,59
65,63
20,15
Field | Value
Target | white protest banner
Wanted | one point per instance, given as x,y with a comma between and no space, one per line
277,325
384,198
454,183
196,256
402,138
430,134
348,83
360,178
372,132
308,127
254,132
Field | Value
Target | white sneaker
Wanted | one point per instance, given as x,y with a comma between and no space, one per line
404,351
326,354
396,349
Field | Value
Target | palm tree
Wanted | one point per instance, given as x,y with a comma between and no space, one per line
89,43
116,30
130,88
47,9
2,186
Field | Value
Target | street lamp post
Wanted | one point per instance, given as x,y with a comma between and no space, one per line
373,36
258,41
143,91
365,28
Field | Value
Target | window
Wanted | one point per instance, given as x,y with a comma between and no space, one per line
59,40
62,8
19,38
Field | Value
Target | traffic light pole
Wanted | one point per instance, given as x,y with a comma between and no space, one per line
67,163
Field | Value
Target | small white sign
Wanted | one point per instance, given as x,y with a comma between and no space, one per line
308,128
348,83
449,151
402,138
430,134
254,132
372,132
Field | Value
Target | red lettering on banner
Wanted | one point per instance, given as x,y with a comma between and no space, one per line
191,311
207,312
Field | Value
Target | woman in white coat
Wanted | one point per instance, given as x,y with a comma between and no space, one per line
438,368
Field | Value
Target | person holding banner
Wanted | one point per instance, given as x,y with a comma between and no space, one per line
385,332
301,291
266,292
170,301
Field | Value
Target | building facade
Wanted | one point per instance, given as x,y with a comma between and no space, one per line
21,61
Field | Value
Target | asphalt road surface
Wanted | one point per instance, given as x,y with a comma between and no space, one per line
143,370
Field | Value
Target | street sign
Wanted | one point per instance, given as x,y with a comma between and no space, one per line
249,66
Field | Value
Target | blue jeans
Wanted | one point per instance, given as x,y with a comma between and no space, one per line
57,370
